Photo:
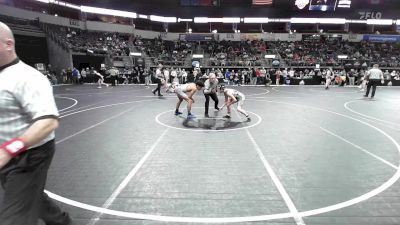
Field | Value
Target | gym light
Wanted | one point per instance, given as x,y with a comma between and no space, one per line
379,22
279,20
217,20
43,1
342,56
356,21
318,20
197,56
135,54
111,12
163,19
184,20
72,6
344,4
256,20
270,56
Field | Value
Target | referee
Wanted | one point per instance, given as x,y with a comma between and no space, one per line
210,90
28,119
159,79
374,75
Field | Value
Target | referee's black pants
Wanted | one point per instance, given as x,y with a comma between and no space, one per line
114,80
372,83
23,180
158,89
214,98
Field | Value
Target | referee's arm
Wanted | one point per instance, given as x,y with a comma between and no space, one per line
35,133
39,130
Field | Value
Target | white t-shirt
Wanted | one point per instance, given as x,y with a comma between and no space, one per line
291,73
166,72
173,73
159,74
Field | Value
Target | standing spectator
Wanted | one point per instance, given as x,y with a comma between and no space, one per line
83,75
179,75
363,84
174,76
386,75
285,75
184,76
26,140
166,75
393,74
351,75
140,74
374,75
159,78
258,75
291,73
50,69
135,74
64,76
69,75
75,76
146,74
253,76
53,79
360,77
114,76
278,74
246,76
328,78
263,75
228,76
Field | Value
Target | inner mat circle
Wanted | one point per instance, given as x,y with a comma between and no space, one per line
214,123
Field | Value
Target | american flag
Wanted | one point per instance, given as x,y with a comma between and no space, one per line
263,2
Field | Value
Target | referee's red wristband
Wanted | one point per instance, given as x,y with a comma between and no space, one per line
14,146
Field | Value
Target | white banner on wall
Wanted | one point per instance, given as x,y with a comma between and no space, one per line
352,37
250,37
269,37
229,37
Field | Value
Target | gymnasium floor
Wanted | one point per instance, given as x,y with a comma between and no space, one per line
308,156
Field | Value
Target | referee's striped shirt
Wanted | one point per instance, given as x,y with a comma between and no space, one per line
25,97
375,73
209,86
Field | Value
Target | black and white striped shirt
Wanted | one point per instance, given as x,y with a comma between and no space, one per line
210,87
375,73
25,97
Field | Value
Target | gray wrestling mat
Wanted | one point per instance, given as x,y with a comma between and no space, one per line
308,156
